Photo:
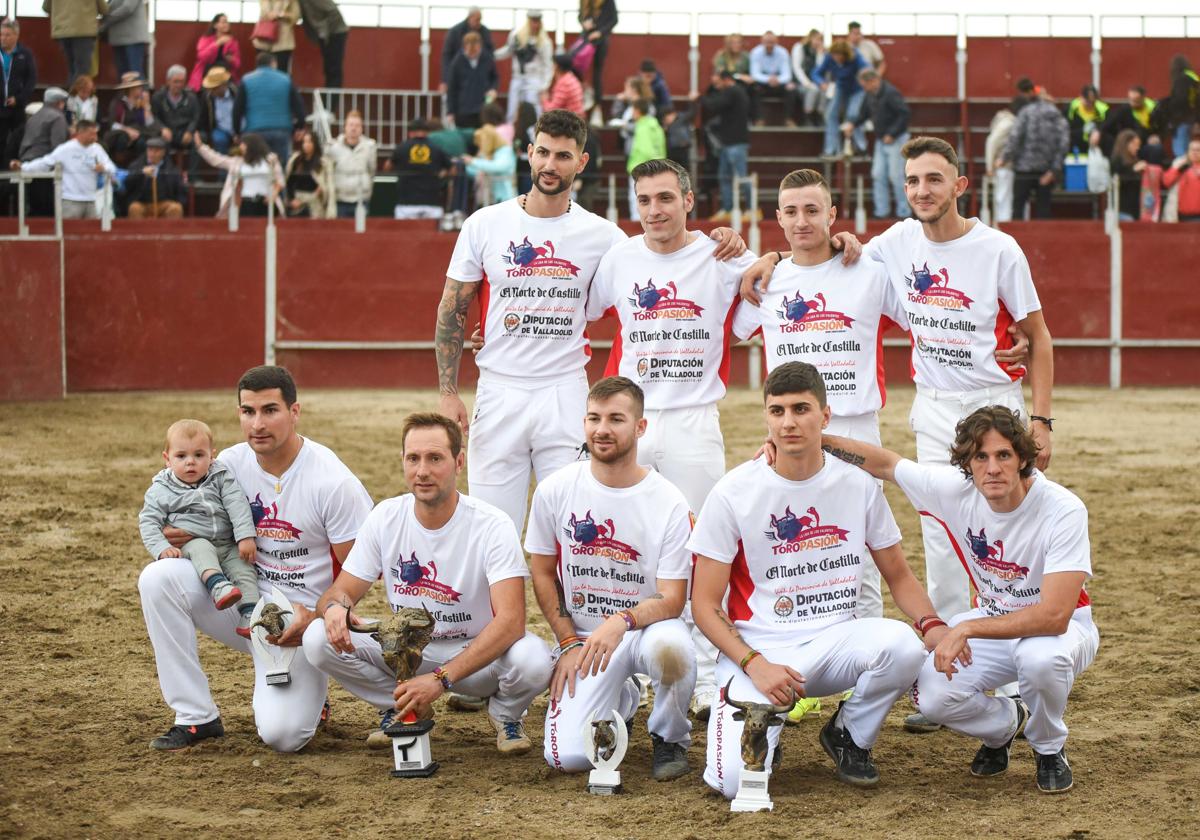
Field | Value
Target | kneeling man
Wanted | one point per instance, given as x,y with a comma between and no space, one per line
462,559
1024,542
608,539
792,542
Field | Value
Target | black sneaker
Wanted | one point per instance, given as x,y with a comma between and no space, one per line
992,761
1053,773
852,763
670,760
181,737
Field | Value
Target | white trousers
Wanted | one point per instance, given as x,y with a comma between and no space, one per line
522,427
1003,197
865,428
175,605
877,657
664,651
1045,668
524,89
933,418
512,680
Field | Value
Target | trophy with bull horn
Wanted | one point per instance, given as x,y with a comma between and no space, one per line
271,618
756,719
403,637
605,742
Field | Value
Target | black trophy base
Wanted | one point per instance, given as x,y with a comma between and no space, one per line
399,730
419,773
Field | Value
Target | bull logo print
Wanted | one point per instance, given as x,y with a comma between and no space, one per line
527,252
789,526
795,309
598,540
412,571
922,279
257,509
990,556
649,296
584,531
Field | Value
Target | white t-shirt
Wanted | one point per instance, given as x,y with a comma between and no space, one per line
828,315
319,503
960,297
674,311
797,547
535,274
449,571
612,543
1006,555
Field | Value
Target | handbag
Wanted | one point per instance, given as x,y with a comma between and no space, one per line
266,30
582,53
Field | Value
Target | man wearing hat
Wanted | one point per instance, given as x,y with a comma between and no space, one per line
217,96
421,168
154,188
131,117
44,132
81,159
532,54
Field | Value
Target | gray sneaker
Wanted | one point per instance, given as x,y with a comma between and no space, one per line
466,702
670,760
920,724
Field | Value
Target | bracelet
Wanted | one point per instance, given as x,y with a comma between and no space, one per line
1049,421
783,255
630,621
929,625
560,652
748,658
336,604
442,677
919,624
569,641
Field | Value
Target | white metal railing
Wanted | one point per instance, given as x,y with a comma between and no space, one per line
21,179
386,113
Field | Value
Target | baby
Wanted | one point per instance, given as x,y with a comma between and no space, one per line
199,495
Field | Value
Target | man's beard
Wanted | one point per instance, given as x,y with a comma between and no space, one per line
938,213
564,184
613,456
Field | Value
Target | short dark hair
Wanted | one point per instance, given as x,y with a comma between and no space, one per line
432,420
84,125
266,378
1086,89
795,378
650,168
853,25
1025,85
264,59
798,178
611,386
642,106
562,123
492,114
968,437
918,146
1139,90
648,66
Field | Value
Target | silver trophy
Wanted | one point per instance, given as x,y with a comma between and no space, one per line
757,719
271,616
605,742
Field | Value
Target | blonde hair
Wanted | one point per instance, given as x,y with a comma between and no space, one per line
189,429
488,140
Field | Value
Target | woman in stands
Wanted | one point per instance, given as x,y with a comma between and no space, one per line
216,48
309,179
81,102
257,175
1127,167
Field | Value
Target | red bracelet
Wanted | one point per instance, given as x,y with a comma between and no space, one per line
919,624
630,621
933,622
747,659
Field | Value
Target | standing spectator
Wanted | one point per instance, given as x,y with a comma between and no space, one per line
807,56
1186,173
284,13
649,143
325,26
1085,114
494,166
523,137
130,117
82,103
256,172
82,159
309,181
1137,113
217,99
268,105
452,47
472,82
734,58
727,107
566,91
1183,103
865,47
1000,171
659,92
19,75
1037,148
1027,92
177,110
74,24
1128,170
153,187
597,19
128,31
421,169
887,110
354,158
771,75
44,132
216,48
678,127
840,68
532,54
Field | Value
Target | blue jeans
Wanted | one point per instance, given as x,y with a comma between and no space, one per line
1179,144
279,141
221,140
130,57
834,119
733,161
887,177
79,56
345,209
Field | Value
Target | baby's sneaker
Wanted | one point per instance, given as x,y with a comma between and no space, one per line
225,595
243,628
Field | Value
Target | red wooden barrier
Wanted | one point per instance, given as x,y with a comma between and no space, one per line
31,363
1125,62
1062,65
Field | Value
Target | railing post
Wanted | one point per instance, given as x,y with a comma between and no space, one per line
985,202
613,213
1115,304
360,217
58,214
106,209
735,218
269,277
860,208
234,206
22,228
754,240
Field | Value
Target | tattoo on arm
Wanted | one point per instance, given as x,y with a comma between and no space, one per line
562,600
448,337
848,457
725,620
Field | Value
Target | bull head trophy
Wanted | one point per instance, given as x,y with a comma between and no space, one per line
757,719
403,636
272,615
605,742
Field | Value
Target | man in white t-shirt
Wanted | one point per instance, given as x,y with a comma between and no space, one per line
457,556
307,509
790,542
610,570
1023,540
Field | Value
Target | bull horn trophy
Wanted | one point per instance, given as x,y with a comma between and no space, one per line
271,616
756,719
605,742
403,636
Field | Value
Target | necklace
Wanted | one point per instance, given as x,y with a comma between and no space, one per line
775,466
525,196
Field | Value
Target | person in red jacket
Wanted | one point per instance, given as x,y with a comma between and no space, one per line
1187,174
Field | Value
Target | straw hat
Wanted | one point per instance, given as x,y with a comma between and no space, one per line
215,77
132,79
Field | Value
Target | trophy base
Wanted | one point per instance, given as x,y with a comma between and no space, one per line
279,678
603,782
752,792
410,749
417,773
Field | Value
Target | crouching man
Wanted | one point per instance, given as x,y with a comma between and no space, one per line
608,539
1024,542
791,541
462,559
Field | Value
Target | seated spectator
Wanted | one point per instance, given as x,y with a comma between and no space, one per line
865,47
126,27
216,48
494,167
660,94
256,173
771,75
840,69
807,55
44,132
421,169
1186,173
887,110
566,91
131,119
1128,170
532,54
284,13
177,110
1085,115
82,103
734,58
1037,149
678,127
727,111
269,105
354,159
217,101
1137,113
472,83
154,188
309,181
649,143
81,159
636,87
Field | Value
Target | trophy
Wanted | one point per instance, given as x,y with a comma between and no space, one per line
403,636
605,742
270,618
756,719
